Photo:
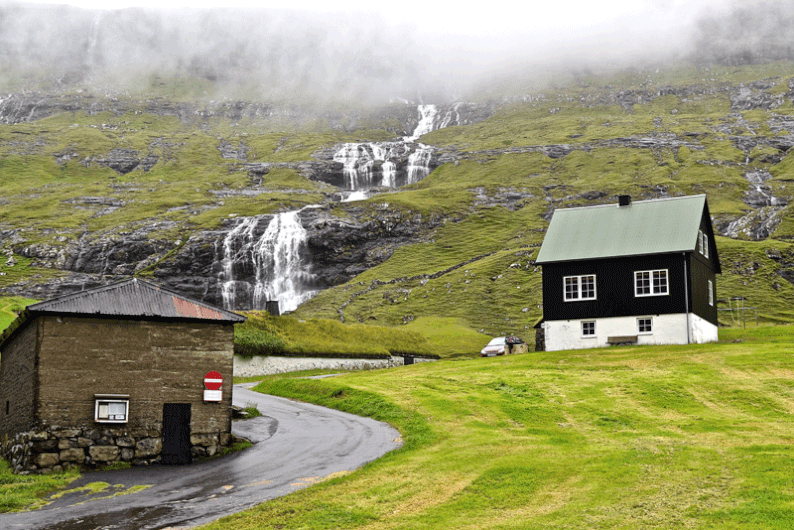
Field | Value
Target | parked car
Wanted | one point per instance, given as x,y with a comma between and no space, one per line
500,345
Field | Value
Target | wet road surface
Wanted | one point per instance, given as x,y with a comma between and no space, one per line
295,445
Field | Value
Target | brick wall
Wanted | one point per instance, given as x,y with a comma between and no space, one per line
17,382
152,362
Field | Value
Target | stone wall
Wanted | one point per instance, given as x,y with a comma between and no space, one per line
152,362
259,365
56,448
55,367
17,382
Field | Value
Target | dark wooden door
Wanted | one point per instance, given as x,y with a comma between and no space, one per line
176,434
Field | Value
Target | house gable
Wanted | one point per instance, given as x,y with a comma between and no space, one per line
642,271
607,231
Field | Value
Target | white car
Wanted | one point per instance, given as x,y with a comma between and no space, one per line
494,348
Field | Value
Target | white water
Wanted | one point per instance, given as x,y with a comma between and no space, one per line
371,164
355,196
760,222
360,160
276,259
419,163
256,269
427,118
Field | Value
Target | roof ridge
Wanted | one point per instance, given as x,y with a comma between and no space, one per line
644,201
158,292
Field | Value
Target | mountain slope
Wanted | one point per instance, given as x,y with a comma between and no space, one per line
95,188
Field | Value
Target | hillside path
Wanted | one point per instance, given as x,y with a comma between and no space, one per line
295,445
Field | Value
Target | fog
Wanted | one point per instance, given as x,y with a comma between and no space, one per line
366,53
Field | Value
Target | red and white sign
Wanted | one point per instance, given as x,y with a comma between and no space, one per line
213,381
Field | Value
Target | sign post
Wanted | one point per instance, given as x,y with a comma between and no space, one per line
213,382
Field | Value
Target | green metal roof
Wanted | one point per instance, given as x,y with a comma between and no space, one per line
606,231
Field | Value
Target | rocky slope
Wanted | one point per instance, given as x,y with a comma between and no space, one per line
97,188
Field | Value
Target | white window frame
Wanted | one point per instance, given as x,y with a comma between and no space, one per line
711,293
700,241
650,320
588,335
705,246
579,291
103,404
652,286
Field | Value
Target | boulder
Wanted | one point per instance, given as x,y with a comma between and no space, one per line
148,447
103,453
125,441
47,459
75,454
204,440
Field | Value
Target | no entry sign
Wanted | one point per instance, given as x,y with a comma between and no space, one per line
213,381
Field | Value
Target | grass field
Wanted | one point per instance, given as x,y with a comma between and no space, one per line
635,437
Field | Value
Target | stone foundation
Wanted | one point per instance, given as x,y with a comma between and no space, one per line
56,448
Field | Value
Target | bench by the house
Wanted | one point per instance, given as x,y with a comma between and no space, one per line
623,339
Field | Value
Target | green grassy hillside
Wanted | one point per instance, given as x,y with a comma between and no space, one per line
582,140
629,437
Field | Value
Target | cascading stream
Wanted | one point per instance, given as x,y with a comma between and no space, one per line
271,266
397,163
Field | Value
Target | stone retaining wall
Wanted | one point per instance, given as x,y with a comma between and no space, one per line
258,365
56,448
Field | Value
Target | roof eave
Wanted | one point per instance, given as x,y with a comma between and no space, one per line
613,256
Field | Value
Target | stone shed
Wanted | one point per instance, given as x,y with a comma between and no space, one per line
116,373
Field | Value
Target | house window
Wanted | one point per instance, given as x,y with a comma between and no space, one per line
111,408
645,325
580,288
705,245
700,241
588,329
651,283
711,293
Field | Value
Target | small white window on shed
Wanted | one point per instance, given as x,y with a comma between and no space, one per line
705,245
111,408
711,293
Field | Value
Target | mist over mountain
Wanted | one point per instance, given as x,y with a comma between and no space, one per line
360,56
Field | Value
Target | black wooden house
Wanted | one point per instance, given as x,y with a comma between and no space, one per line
641,272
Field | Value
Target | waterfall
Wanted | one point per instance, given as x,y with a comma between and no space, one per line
393,164
365,165
272,266
764,219
262,264
419,163
427,118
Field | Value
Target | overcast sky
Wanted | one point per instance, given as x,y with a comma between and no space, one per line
495,16
452,42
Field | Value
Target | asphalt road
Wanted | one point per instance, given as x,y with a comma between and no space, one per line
295,445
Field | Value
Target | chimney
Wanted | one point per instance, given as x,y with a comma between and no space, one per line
624,200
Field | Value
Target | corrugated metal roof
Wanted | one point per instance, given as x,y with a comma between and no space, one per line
644,227
134,298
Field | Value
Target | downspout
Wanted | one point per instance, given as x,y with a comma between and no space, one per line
686,297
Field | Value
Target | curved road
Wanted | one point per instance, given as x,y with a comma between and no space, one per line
295,445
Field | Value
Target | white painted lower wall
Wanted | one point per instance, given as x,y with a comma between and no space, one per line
702,330
258,365
666,329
